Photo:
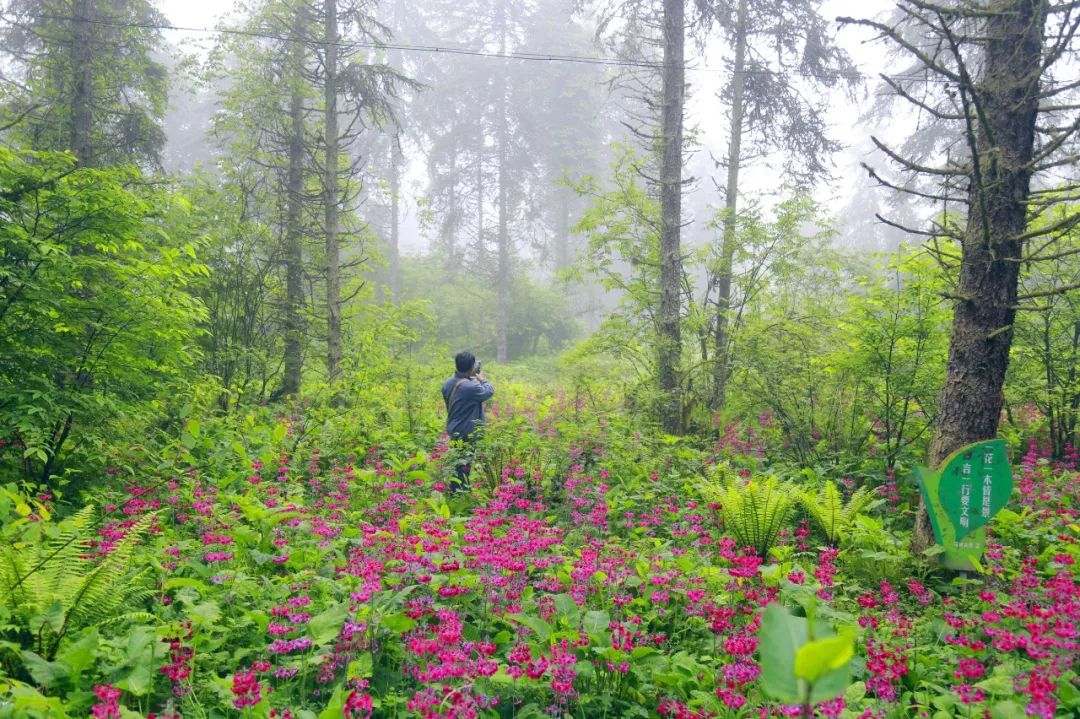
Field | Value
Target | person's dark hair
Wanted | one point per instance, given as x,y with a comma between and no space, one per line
465,361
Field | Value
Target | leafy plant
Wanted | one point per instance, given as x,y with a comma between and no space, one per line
754,511
828,511
803,662
58,587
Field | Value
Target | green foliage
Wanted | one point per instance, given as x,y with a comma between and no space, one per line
895,336
754,510
803,662
59,587
461,307
125,84
1044,365
830,513
319,541
241,344
96,318
622,227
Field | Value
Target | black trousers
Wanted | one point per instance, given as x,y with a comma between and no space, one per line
466,451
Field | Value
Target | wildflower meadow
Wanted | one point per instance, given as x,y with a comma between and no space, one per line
306,565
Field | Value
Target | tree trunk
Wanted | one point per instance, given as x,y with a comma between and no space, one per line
82,120
395,231
721,332
1070,400
294,290
330,198
1053,415
502,280
1003,136
480,191
562,233
450,224
669,344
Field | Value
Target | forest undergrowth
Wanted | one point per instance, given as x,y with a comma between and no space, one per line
313,564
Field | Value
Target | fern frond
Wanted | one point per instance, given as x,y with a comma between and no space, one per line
828,512
860,500
139,617
12,571
63,580
65,554
755,511
105,588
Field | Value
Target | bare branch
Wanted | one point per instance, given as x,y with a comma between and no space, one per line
1036,257
913,231
1055,144
1064,87
907,190
914,166
1063,225
1050,293
904,43
899,90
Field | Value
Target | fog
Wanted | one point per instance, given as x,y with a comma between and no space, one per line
431,205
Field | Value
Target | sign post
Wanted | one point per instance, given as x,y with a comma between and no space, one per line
974,484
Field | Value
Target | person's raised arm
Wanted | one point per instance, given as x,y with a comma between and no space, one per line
485,390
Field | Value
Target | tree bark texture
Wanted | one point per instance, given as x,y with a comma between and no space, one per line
480,227
502,280
721,331
669,344
395,224
562,233
82,118
1003,136
331,197
294,256
450,225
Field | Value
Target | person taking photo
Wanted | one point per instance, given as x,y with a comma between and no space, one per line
465,394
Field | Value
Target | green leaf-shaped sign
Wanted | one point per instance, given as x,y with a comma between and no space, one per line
975,484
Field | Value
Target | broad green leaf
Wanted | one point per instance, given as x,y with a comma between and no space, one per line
79,655
595,621
541,628
44,673
207,612
779,640
398,623
139,679
820,657
1007,710
566,607
361,667
326,626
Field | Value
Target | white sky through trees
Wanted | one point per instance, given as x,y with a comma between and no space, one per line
704,111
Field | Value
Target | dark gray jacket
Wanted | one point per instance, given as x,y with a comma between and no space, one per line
465,410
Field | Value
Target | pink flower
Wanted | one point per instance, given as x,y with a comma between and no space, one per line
246,689
107,707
